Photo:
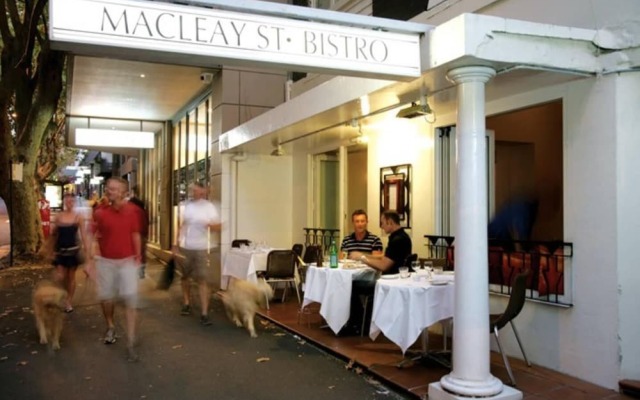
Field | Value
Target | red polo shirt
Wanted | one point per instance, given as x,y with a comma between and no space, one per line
115,228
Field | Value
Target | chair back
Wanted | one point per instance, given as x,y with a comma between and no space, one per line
411,258
281,264
516,301
239,242
298,248
313,254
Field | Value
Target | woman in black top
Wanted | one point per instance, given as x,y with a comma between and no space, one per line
68,232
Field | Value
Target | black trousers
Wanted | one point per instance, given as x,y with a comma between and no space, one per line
359,291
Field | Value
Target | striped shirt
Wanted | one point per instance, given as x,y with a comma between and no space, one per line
368,244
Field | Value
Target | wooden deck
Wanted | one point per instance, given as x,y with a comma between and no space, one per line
380,359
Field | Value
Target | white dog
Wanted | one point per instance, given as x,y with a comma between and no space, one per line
242,301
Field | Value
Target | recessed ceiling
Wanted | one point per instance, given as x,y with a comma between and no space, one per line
120,89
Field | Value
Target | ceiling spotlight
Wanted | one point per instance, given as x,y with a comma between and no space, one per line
278,151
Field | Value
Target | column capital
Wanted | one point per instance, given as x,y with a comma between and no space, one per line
471,74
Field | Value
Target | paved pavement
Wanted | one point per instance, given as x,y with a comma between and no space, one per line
179,358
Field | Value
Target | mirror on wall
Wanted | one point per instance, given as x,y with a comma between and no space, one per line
395,192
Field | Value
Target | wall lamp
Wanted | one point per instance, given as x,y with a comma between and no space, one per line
278,151
417,110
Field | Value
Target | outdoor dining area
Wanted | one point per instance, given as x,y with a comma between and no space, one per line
406,323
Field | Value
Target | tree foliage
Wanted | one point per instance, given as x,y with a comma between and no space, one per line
31,83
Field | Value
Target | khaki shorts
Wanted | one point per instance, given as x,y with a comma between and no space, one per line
118,279
195,265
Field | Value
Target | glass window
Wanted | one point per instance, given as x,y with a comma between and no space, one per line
202,144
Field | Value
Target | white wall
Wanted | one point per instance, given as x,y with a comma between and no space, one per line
264,200
628,257
582,340
300,197
396,141
590,223
592,14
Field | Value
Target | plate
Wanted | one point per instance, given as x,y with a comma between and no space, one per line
448,272
438,282
390,276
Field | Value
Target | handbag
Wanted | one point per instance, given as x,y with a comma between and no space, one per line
168,274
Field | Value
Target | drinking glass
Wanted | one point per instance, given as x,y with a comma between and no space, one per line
428,265
415,265
404,272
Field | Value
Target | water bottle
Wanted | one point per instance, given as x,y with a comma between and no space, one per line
333,254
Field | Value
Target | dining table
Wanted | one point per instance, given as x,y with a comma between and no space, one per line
331,287
405,307
243,263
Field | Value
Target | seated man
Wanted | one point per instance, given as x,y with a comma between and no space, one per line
361,240
398,249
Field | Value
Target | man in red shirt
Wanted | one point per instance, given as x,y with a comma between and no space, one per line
117,230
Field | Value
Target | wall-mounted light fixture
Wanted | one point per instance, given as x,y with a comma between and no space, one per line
421,109
278,151
360,138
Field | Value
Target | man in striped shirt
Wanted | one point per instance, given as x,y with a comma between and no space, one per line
361,240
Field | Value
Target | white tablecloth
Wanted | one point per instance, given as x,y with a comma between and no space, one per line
331,287
243,264
402,308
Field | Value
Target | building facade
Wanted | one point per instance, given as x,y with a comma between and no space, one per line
281,156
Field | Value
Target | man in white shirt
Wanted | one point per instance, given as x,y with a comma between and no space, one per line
199,218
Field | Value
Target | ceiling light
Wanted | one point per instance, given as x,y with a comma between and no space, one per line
142,75
415,110
114,138
361,138
278,151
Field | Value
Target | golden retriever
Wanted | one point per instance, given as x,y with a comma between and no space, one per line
242,301
49,301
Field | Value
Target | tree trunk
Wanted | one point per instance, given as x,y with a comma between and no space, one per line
27,232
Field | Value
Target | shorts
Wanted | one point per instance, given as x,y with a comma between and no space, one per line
195,264
118,279
66,261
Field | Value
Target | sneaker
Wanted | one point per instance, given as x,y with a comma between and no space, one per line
110,336
186,310
68,309
204,320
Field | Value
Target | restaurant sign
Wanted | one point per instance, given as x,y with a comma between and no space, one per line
229,38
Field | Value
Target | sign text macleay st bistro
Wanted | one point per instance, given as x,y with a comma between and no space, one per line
187,29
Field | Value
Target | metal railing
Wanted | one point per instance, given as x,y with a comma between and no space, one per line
321,237
548,261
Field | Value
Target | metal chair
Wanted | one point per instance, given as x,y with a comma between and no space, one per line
298,248
499,321
281,267
240,242
313,254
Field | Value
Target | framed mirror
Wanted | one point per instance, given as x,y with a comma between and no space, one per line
395,191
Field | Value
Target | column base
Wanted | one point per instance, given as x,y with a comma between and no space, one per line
437,392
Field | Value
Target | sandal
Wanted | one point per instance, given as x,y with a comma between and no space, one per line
110,336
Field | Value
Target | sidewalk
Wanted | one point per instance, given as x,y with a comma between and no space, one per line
179,358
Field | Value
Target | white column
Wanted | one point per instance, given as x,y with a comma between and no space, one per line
471,376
